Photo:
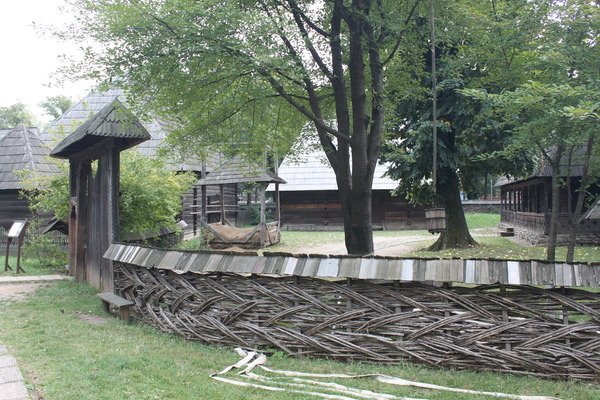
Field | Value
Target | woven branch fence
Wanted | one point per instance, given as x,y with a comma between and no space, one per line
551,333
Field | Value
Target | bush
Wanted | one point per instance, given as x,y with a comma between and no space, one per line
200,242
47,250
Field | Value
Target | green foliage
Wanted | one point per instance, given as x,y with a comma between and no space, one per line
150,195
55,106
15,114
545,114
200,242
44,251
478,45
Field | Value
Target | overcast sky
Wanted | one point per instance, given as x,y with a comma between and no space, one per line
29,58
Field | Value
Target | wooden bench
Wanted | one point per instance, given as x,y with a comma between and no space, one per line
123,305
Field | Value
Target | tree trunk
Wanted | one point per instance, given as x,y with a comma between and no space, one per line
356,212
362,228
576,215
552,233
457,233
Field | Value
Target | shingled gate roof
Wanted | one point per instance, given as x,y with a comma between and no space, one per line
96,101
237,170
21,149
310,171
114,121
593,212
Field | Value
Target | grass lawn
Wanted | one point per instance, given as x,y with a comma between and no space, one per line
503,248
31,267
65,357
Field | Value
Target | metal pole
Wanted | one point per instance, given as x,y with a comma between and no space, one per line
434,95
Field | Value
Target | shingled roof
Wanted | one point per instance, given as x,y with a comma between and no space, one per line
114,121
96,101
310,171
4,132
593,212
237,170
21,149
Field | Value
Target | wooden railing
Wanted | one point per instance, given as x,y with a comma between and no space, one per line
540,222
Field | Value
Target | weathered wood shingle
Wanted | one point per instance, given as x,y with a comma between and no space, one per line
237,170
96,101
309,170
114,121
21,149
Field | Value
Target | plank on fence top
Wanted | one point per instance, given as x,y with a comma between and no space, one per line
514,273
290,266
349,267
381,268
328,268
407,270
525,272
367,270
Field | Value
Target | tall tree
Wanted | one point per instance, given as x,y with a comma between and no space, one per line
554,108
14,115
55,106
479,45
217,65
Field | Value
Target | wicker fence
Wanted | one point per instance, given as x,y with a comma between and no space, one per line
520,329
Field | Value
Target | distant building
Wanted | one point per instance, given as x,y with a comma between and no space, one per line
20,150
310,199
527,205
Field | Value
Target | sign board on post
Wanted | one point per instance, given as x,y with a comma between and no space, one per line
16,231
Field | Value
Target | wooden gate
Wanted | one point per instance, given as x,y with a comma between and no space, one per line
93,151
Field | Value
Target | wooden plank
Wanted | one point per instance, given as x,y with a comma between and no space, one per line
115,300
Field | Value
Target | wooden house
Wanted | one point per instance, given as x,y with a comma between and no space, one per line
310,199
158,129
20,149
526,205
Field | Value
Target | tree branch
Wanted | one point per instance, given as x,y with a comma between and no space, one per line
314,53
397,44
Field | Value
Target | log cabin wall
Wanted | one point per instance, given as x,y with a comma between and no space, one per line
12,207
322,210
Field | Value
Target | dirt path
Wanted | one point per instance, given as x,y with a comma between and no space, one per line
17,291
391,246
384,246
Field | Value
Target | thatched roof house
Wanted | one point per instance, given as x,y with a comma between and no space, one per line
20,149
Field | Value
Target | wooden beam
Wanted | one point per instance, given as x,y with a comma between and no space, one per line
277,206
81,171
263,224
203,195
222,203
194,204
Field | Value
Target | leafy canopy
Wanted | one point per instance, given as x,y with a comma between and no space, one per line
14,115
55,106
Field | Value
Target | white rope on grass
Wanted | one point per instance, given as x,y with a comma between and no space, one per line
252,359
